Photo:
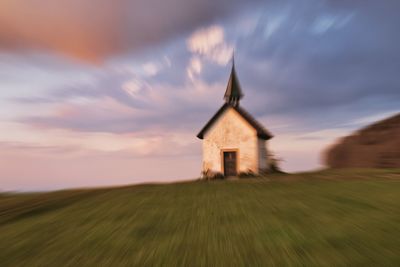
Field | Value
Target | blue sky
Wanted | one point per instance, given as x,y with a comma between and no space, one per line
117,93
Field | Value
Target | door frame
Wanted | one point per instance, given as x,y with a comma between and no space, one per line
223,160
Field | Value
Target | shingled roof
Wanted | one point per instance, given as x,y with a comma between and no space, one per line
261,131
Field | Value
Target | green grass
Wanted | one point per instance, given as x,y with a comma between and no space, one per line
328,218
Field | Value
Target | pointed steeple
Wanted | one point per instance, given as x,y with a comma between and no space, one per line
233,92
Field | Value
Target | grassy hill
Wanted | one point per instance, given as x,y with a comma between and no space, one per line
328,218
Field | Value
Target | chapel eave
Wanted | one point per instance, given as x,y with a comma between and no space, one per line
261,131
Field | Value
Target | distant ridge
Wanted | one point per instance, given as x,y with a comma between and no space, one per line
375,146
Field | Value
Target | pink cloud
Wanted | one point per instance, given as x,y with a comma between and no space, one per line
95,29
29,171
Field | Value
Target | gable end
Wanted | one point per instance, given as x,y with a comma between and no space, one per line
261,131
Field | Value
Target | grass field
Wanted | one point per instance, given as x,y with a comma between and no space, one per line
328,218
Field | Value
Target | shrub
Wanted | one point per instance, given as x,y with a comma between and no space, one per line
210,175
247,174
218,176
273,163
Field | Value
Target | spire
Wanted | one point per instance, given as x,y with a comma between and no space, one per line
233,92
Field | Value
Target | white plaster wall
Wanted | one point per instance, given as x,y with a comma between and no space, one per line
231,131
262,155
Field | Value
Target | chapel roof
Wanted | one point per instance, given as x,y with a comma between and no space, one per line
261,131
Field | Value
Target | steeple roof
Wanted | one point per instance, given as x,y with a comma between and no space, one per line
233,92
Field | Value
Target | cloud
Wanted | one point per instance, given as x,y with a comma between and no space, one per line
211,44
51,168
310,71
327,22
194,68
121,102
291,71
134,87
151,68
305,73
97,29
342,73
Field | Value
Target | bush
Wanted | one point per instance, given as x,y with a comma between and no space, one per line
218,176
273,163
210,175
247,174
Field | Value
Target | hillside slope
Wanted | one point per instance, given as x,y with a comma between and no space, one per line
376,146
331,218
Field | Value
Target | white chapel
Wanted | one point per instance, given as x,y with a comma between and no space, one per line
233,141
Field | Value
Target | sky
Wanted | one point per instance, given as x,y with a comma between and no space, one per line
112,92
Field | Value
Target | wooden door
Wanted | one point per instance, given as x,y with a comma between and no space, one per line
230,161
